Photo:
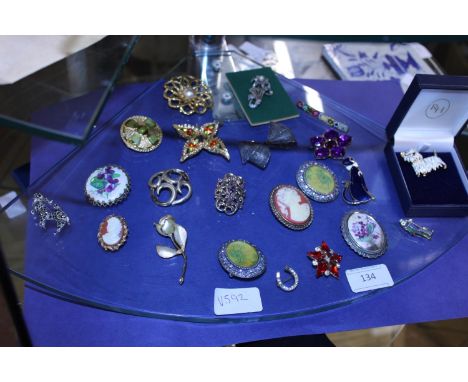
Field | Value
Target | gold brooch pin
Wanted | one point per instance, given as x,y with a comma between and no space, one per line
188,94
199,138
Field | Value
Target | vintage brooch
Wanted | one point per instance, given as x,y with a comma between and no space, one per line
355,190
256,153
260,86
229,194
318,182
281,284
280,135
201,138
325,260
291,207
107,186
141,133
48,210
415,229
188,94
169,228
330,144
241,259
173,180
323,117
423,166
112,233
364,234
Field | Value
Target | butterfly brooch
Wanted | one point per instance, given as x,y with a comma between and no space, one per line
199,138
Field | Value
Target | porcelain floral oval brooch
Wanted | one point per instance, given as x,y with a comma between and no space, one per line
107,186
364,234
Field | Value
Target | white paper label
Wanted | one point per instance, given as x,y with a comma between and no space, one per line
369,278
239,300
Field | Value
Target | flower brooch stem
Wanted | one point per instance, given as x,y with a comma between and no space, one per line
169,228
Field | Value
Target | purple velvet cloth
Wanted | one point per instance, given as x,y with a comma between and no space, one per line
56,322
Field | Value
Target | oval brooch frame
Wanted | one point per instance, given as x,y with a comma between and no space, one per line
364,234
241,272
310,191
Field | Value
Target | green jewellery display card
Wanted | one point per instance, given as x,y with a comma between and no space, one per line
273,108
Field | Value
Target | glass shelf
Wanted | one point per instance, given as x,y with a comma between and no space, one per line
92,72
134,280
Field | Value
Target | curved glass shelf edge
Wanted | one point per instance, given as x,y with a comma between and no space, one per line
63,136
74,297
94,133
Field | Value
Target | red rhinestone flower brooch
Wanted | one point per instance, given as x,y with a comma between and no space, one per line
325,260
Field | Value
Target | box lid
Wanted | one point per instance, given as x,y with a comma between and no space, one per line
431,113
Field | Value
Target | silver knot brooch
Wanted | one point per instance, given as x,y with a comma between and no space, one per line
173,180
229,194
48,210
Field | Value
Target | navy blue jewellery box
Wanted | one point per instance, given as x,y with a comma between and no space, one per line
432,113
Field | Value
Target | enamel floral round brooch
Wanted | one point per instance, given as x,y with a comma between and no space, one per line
112,233
241,259
107,186
291,207
141,133
318,182
364,234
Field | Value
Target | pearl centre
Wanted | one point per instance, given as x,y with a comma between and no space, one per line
188,93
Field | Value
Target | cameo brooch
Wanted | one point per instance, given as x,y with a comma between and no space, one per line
107,186
241,259
112,233
291,207
318,182
364,234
